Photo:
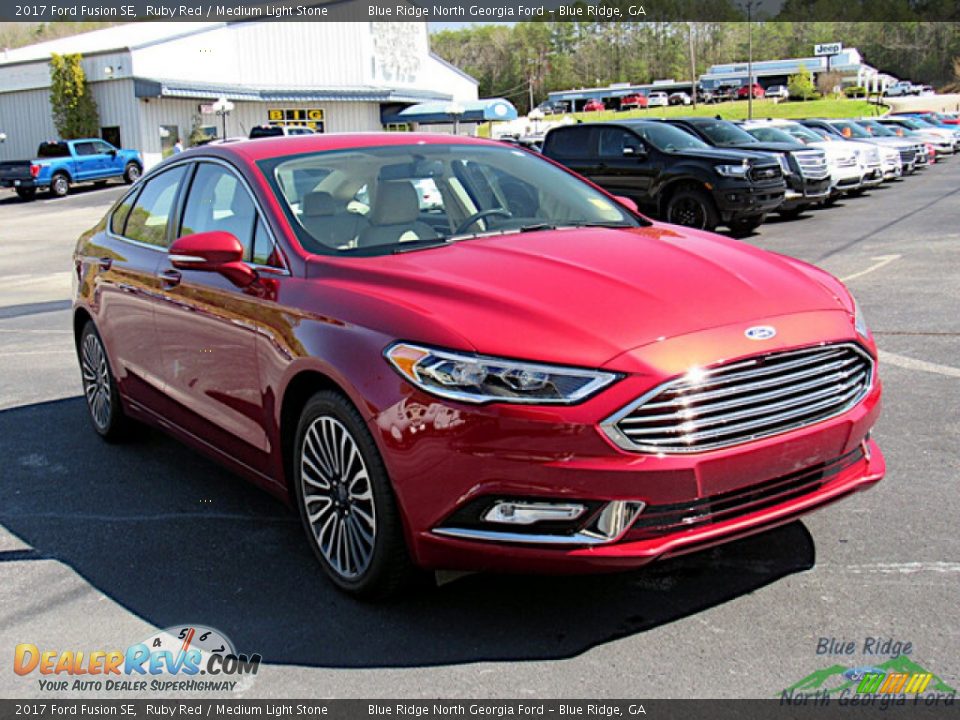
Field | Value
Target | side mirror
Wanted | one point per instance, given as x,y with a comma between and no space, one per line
214,251
627,203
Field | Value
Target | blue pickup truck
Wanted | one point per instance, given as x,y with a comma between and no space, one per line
60,164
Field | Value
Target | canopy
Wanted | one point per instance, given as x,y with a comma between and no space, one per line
447,112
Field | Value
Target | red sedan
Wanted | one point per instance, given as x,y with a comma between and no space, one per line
744,91
594,106
526,375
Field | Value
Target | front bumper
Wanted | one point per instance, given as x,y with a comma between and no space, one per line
806,191
450,463
741,201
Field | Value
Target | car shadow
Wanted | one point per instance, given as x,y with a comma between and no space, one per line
9,197
174,538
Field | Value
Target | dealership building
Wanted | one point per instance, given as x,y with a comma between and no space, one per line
154,83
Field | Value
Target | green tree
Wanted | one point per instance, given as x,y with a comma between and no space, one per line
75,113
801,85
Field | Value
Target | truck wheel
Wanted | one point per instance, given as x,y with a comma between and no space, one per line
59,185
131,173
26,193
744,226
692,207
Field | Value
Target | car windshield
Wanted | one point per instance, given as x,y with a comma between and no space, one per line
770,134
395,198
799,132
722,132
850,129
877,129
915,123
667,138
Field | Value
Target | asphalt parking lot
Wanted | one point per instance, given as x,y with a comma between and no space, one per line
100,545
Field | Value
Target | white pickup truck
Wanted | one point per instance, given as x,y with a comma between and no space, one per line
904,87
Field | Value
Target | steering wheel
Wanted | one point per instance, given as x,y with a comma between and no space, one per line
462,227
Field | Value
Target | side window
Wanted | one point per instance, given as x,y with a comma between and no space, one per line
219,201
573,143
102,147
85,148
119,217
264,251
151,214
613,142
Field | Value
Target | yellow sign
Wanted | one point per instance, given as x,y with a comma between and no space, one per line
310,117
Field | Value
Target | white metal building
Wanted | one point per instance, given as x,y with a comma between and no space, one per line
155,82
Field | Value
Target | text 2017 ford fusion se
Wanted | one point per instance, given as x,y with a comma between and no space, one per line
521,375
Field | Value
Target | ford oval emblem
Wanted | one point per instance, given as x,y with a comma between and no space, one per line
760,332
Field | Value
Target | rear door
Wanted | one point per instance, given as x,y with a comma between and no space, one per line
575,148
207,327
89,162
125,287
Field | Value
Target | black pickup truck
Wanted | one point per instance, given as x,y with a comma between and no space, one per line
672,174
804,169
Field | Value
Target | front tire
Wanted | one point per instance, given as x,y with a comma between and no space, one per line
692,207
346,503
100,388
59,185
131,173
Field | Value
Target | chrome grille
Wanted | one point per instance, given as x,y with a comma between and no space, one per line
813,164
848,161
744,400
907,155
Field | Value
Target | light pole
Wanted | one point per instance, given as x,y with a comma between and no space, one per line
222,107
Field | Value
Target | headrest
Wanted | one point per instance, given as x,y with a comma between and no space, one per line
318,203
396,204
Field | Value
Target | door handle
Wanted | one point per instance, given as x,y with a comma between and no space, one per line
105,263
170,278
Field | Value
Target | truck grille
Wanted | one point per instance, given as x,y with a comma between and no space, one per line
745,400
765,173
661,519
813,164
849,161
907,155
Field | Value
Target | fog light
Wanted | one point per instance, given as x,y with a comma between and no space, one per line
527,513
616,519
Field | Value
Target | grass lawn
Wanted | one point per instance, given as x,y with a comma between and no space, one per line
737,110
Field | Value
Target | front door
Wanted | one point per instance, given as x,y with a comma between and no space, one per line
207,327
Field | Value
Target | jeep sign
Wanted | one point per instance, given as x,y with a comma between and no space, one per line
827,49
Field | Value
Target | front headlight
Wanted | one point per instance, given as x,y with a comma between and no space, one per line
859,321
481,379
784,163
733,171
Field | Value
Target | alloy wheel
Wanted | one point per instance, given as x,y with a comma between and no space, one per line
338,497
96,380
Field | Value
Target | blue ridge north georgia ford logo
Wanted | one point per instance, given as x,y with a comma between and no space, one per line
760,332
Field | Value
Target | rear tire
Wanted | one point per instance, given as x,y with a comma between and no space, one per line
692,207
59,185
131,173
26,193
100,388
346,503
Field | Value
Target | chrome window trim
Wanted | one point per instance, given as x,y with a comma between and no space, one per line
270,269
610,429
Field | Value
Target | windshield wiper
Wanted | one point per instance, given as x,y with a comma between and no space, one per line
422,244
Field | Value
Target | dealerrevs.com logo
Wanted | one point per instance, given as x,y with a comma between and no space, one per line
185,658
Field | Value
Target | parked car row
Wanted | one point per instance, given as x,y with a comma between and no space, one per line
706,172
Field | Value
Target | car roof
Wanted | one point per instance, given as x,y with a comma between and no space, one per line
283,145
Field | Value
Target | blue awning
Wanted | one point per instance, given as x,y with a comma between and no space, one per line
439,112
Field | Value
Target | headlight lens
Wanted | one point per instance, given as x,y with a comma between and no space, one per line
859,321
734,171
482,379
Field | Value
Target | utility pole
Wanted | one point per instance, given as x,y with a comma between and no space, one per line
693,69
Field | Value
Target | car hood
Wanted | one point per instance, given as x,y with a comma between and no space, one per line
729,155
762,146
578,296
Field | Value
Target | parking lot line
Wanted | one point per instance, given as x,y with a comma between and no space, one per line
882,261
914,364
